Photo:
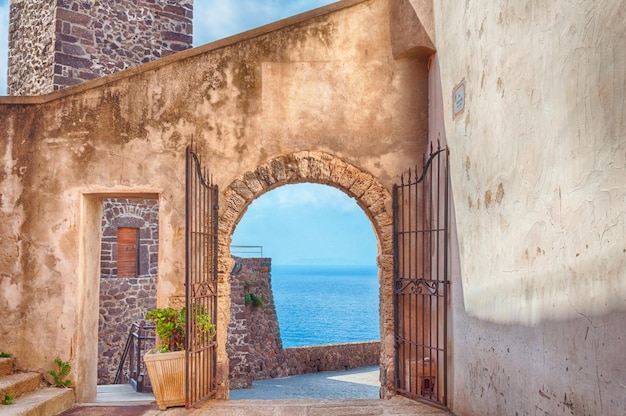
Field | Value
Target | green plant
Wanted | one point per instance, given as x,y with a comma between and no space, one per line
63,368
252,299
170,326
206,327
4,355
8,399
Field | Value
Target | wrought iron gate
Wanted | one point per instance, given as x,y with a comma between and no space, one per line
420,206
200,280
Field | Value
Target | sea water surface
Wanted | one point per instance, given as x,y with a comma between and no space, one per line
319,305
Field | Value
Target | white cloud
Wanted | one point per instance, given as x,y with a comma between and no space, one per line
217,19
306,195
303,222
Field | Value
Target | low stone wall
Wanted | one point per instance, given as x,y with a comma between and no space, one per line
333,357
254,344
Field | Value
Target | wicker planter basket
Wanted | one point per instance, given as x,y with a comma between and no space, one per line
167,376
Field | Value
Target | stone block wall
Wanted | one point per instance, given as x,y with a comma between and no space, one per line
333,357
122,302
142,214
31,47
55,44
254,344
253,333
125,300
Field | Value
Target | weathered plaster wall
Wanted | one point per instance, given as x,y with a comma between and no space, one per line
538,161
315,83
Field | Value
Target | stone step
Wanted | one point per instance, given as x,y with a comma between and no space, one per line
6,366
46,401
18,384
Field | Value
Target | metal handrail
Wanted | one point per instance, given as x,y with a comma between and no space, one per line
243,251
137,343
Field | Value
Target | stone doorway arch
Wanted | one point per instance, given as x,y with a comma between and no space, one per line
327,169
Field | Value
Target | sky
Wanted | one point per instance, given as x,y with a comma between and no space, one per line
307,224
295,224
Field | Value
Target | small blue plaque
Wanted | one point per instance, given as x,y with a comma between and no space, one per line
458,99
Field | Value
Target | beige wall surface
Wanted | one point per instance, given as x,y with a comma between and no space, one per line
315,83
538,160
538,166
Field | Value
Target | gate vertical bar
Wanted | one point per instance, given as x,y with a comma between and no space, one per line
396,273
446,208
420,227
201,280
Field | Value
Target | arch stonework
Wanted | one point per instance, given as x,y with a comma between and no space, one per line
323,168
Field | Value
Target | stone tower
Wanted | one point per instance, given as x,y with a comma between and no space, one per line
57,43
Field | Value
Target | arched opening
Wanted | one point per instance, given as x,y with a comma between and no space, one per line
321,168
307,256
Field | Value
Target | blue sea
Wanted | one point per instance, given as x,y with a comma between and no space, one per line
319,305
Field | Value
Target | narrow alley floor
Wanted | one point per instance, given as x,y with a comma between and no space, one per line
339,393
397,406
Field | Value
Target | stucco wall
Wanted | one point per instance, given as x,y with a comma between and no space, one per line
317,82
538,160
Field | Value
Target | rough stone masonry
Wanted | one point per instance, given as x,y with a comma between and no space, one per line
54,44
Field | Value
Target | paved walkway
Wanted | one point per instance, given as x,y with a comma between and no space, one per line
339,393
398,406
359,383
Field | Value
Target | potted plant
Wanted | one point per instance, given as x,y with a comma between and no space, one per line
166,363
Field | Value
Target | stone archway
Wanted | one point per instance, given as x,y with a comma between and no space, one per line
322,168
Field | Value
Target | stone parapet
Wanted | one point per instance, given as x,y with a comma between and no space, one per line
332,357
